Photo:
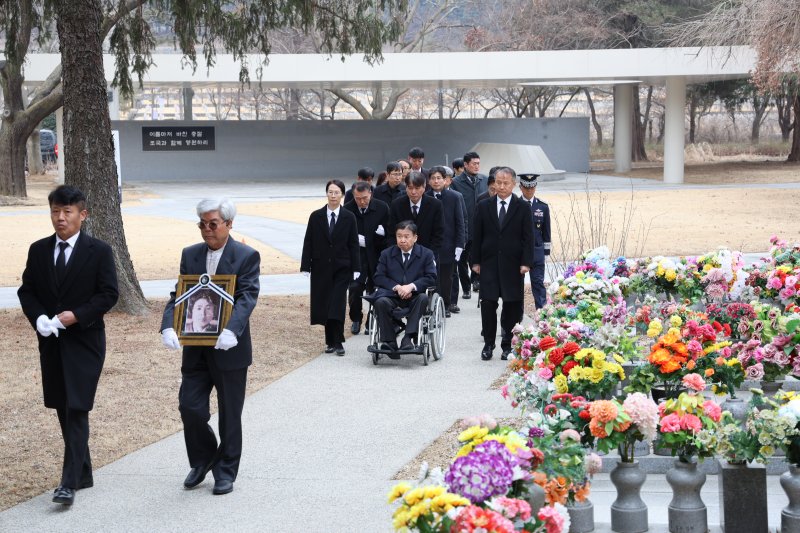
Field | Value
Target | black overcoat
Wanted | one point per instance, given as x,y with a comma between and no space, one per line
72,362
501,251
454,234
377,215
331,260
430,221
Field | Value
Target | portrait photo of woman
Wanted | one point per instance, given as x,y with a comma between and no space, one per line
202,313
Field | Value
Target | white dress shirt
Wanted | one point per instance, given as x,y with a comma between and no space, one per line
213,257
68,250
499,205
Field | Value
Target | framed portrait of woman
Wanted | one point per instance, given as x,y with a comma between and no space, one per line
203,306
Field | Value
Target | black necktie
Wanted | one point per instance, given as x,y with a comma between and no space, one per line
405,257
415,210
363,210
333,222
438,196
61,261
502,214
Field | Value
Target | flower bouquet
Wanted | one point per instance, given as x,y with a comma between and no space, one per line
621,425
721,274
562,470
592,376
764,430
790,408
584,285
735,315
688,423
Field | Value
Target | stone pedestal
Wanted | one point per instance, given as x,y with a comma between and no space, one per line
743,498
687,512
581,517
628,512
790,515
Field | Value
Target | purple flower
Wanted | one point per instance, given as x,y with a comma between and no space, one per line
535,432
485,472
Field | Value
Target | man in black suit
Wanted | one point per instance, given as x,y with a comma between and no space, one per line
471,184
224,365
416,158
424,211
372,219
502,254
454,235
364,175
393,187
404,273
69,283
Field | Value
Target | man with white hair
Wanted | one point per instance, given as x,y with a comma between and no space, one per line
223,366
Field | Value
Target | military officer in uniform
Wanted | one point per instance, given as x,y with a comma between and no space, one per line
541,236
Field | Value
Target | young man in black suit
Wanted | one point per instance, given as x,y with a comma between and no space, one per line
424,211
502,255
393,187
364,175
224,365
404,273
69,283
454,235
372,219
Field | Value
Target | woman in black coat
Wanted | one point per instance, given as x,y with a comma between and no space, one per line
331,256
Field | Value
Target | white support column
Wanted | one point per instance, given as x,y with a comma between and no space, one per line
60,140
674,129
623,127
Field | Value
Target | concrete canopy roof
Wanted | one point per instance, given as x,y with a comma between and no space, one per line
447,70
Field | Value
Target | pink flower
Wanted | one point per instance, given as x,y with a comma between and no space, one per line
545,373
712,410
694,347
594,464
774,283
568,434
755,371
554,522
691,423
791,281
511,507
694,382
504,391
670,423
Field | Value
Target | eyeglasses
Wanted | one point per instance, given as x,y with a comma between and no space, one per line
211,225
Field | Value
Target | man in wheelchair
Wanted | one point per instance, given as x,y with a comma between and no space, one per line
404,273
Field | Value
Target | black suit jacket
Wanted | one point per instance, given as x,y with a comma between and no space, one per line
502,250
377,215
430,221
419,270
386,194
72,362
245,262
331,260
455,232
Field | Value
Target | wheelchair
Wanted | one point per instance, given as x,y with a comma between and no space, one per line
430,341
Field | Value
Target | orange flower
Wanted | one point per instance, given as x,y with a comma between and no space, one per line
540,478
670,366
690,364
582,492
603,410
556,491
720,361
597,430
623,426
709,372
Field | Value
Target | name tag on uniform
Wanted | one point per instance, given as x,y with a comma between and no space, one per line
538,213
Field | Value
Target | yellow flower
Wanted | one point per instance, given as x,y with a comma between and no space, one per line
398,490
654,328
560,382
401,518
670,275
582,354
598,364
707,267
618,358
576,374
660,271
675,321
414,496
733,362
598,355
432,491
596,376
472,433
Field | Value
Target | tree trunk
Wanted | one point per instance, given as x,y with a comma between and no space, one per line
598,129
638,153
783,103
89,159
794,154
692,117
12,133
34,146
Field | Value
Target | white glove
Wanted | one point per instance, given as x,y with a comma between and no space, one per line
306,274
459,251
226,340
170,339
45,327
356,275
362,241
56,324
380,231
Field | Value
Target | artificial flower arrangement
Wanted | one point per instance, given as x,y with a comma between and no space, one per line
789,406
688,423
562,472
592,376
721,274
584,286
772,350
620,425
668,362
778,277
765,429
735,315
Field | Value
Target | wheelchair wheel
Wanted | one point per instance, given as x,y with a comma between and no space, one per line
375,357
423,341
372,321
436,328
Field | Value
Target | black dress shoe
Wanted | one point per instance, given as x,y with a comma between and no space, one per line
447,314
329,348
467,295
486,353
223,486
197,475
64,496
339,349
505,355
454,309
476,287
366,330
355,328
407,343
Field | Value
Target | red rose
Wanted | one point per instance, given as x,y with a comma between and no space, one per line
726,328
584,415
556,356
569,365
547,343
716,325
571,348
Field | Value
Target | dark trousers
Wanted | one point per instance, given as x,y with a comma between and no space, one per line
510,316
538,289
355,292
444,282
387,304
77,465
465,273
193,401
334,332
